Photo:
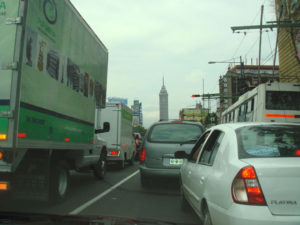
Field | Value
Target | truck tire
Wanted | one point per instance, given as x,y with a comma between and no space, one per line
99,169
59,181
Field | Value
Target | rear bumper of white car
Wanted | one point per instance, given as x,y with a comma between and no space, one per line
239,214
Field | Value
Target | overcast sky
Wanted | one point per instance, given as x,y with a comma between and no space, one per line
149,39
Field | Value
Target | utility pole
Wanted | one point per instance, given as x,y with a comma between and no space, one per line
274,24
259,51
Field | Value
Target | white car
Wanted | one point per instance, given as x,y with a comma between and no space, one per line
245,174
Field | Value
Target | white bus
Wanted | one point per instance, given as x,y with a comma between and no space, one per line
269,102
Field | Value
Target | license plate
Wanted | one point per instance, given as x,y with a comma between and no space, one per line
176,161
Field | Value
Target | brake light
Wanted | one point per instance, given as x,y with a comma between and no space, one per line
177,121
246,189
142,155
1,155
67,139
114,152
297,153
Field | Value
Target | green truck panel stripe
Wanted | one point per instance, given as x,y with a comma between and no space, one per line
3,121
38,125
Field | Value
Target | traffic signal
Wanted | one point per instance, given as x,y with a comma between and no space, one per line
193,96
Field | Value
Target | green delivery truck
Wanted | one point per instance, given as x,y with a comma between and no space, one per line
53,78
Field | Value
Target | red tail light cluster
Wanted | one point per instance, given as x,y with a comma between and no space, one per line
142,155
246,189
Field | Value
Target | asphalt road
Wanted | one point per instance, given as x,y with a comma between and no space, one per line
120,194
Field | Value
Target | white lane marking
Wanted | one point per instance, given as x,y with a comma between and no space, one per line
87,204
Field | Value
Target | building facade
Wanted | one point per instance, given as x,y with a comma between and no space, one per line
197,114
163,103
288,12
137,116
241,79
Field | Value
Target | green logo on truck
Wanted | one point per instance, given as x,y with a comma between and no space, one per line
2,8
50,11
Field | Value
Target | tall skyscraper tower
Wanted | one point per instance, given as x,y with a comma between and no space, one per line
163,103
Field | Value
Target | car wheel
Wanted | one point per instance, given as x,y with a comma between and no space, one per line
60,181
99,169
207,218
184,205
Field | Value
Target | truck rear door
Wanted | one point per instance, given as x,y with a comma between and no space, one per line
10,47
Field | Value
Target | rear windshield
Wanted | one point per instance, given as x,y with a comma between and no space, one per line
282,100
269,141
175,133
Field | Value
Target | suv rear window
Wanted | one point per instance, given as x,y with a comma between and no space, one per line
269,141
175,133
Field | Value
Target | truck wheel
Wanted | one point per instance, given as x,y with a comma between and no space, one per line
60,181
99,169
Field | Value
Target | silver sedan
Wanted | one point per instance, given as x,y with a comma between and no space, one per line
247,173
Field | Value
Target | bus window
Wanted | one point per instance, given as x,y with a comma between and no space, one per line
252,104
249,108
282,100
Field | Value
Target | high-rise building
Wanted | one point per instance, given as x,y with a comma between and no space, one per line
137,116
288,14
163,103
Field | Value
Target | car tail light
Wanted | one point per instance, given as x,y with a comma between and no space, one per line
142,155
246,189
297,153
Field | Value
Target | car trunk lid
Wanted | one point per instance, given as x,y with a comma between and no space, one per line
280,182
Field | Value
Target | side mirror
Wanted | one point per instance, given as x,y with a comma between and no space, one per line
106,128
181,155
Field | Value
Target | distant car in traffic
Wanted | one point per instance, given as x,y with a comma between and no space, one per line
160,143
245,173
138,139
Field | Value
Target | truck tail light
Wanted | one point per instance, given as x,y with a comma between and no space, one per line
1,155
142,155
3,136
113,153
3,186
22,135
245,188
